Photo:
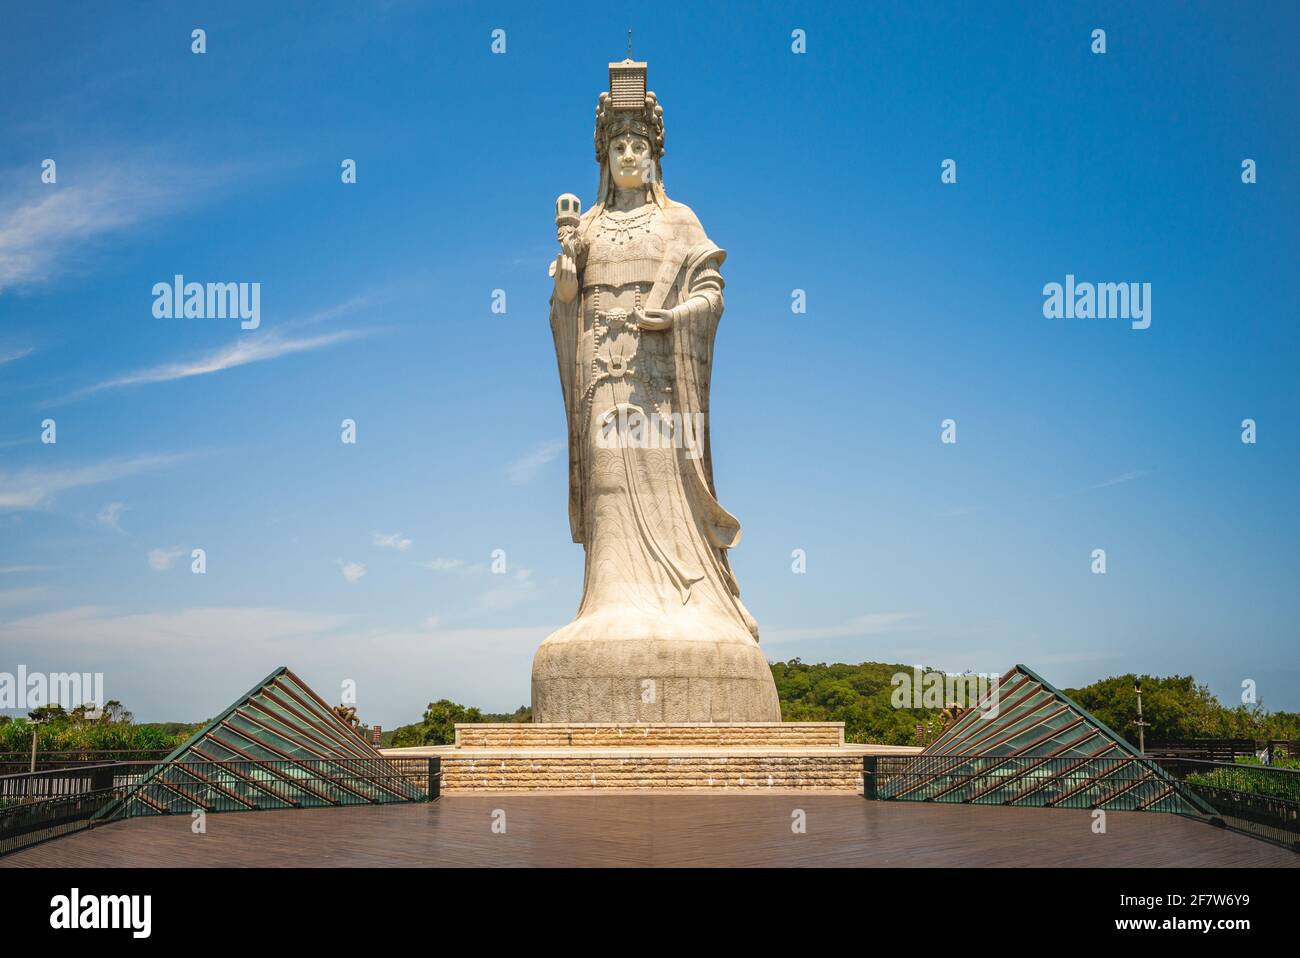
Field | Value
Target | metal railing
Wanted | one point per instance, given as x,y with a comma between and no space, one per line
1224,749
13,763
1260,801
68,781
38,806
24,823
247,785
1120,783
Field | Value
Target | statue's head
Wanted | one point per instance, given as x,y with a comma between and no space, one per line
629,132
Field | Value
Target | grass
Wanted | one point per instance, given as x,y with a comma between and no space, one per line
1250,775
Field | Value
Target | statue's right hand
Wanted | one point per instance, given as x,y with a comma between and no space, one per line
566,278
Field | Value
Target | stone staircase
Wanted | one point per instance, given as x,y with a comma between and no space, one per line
499,757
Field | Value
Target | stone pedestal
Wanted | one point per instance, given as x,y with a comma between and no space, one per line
645,679
676,757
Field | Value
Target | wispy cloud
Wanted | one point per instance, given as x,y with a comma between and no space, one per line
33,488
1126,477
16,569
44,224
251,349
1105,483
395,541
188,663
443,564
526,468
9,355
504,590
192,629
458,566
111,515
352,571
518,587
16,597
872,624
340,309
160,560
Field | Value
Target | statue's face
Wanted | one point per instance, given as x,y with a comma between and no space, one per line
630,162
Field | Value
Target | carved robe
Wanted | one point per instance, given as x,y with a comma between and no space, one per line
643,503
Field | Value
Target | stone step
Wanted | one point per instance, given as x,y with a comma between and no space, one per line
468,770
656,735
673,757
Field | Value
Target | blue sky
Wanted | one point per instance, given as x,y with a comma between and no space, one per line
818,171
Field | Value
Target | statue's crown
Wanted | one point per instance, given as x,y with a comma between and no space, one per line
628,107
627,85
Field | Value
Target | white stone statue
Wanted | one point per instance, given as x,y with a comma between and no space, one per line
661,634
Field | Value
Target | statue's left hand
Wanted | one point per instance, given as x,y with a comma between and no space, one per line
654,319
565,271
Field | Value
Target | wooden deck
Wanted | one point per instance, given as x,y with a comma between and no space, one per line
650,829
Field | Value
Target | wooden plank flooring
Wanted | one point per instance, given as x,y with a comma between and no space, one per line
656,829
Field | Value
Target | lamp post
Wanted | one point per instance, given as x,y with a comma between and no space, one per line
36,731
30,788
1141,724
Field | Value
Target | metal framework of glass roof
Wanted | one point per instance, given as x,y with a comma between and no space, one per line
278,746
1029,744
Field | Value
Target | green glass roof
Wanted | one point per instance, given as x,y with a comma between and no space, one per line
1029,744
278,746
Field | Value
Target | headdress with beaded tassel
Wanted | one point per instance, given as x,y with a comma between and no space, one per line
628,107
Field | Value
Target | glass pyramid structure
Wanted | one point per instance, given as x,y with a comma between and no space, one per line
1029,744
278,746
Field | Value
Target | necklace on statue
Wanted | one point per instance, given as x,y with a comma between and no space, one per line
619,227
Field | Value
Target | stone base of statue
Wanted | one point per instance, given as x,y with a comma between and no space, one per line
623,667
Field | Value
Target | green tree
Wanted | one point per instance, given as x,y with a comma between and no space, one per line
440,718
1176,707
860,696
47,713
